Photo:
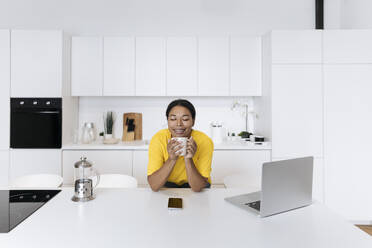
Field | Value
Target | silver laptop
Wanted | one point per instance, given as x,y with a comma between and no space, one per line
285,185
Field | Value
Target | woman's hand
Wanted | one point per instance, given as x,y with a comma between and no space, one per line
173,149
190,148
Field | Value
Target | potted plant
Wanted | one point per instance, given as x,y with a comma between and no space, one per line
244,134
108,122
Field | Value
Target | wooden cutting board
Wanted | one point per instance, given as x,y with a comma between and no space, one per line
132,126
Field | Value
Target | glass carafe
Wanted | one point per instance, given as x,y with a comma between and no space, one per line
89,133
84,175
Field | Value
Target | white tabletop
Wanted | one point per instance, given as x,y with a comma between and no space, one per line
140,218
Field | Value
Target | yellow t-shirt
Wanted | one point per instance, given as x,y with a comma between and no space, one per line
158,154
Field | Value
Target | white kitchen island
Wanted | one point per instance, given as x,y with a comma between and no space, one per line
140,218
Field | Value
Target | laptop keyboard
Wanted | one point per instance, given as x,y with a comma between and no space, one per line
256,205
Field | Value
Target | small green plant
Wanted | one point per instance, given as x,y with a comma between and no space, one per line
244,134
108,121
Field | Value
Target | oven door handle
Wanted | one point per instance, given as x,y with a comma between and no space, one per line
26,111
46,112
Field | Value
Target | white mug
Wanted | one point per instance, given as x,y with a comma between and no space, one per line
183,141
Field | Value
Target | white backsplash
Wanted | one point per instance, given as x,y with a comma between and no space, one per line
153,109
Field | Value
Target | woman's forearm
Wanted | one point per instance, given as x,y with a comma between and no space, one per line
196,181
160,177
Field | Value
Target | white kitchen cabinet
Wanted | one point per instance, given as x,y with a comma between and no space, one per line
245,66
213,59
36,63
140,161
4,167
297,110
318,177
296,46
87,66
118,66
105,161
234,162
182,66
150,66
347,148
4,88
34,161
225,163
347,46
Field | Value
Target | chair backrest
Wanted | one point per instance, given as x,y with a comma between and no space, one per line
37,181
117,181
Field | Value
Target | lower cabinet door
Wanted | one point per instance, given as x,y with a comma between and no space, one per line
140,161
34,161
104,161
239,162
4,168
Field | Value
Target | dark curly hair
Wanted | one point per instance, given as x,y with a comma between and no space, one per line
183,103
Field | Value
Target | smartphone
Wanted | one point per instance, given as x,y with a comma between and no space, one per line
175,203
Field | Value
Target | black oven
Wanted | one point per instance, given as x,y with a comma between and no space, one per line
36,123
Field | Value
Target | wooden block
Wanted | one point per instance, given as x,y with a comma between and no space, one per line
130,136
132,126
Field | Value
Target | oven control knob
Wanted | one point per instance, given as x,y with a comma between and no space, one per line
21,102
47,103
34,103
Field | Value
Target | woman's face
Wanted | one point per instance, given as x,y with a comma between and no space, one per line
180,122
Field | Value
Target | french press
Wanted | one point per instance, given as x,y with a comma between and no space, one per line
84,174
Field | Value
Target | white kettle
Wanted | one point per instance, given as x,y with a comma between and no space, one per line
216,131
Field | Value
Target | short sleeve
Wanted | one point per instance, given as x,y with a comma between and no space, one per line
204,163
156,158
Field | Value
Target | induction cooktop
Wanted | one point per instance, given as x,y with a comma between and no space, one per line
17,205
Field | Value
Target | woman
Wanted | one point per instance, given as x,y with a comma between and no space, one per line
166,167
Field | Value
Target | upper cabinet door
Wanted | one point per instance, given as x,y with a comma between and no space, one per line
347,46
303,46
213,66
182,66
87,66
245,66
4,89
150,66
297,111
118,66
36,63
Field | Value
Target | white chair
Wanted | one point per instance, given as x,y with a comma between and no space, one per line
117,181
37,181
241,181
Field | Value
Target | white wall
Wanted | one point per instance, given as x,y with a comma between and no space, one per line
180,17
153,112
356,14
332,14
158,17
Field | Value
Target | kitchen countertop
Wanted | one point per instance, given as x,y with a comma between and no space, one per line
144,145
140,218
